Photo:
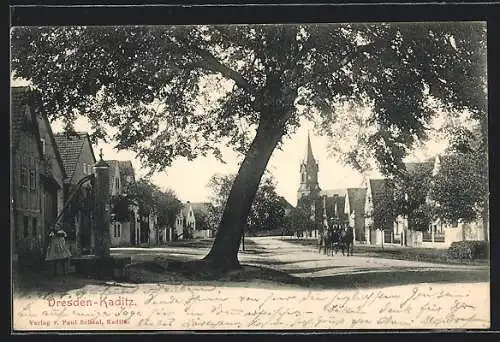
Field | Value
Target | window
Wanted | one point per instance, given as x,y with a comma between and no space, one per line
24,176
114,230
42,141
32,180
117,183
34,223
119,229
26,226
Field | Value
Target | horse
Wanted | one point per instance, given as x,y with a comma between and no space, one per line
324,240
346,240
335,241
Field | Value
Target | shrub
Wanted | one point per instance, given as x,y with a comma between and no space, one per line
468,250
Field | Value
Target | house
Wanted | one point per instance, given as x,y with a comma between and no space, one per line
379,223
78,159
192,221
354,209
333,203
127,226
185,221
127,179
37,177
118,234
286,205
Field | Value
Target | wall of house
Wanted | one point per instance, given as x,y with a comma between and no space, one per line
27,235
82,218
190,219
415,238
51,207
85,160
202,234
179,224
376,237
116,182
359,227
120,234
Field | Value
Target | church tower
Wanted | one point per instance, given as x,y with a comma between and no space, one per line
309,188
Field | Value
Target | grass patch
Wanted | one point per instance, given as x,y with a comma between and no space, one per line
402,253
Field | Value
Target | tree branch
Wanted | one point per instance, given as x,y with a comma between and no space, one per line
212,63
359,50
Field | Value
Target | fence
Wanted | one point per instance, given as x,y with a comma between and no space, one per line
428,237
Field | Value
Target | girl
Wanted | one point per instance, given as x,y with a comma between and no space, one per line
57,252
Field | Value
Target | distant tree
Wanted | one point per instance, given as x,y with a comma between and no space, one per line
468,151
167,207
298,221
150,198
267,211
203,220
459,187
411,193
149,82
142,193
385,208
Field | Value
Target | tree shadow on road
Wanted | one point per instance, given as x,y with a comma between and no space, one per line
248,276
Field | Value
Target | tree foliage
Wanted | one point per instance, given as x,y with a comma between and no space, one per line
151,199
298,221
268,208
459,188
146,80
180,91
411,192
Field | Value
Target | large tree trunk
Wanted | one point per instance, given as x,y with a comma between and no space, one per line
224,252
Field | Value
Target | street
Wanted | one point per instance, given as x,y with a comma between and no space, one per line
336,292
322,270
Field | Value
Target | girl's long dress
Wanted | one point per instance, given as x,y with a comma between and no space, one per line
57,249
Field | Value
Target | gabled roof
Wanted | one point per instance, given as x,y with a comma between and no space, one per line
202,207
56,147
285,203
70,147
185,209
334,206
126,169
20,98
380,191
113,165
333,192
357,198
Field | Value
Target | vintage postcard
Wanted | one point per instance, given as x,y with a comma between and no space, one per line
249,177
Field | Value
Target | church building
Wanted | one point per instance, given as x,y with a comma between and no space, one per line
325,207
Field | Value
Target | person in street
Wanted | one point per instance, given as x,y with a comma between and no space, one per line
57,251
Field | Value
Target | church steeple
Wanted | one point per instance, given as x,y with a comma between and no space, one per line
309,168
309,157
